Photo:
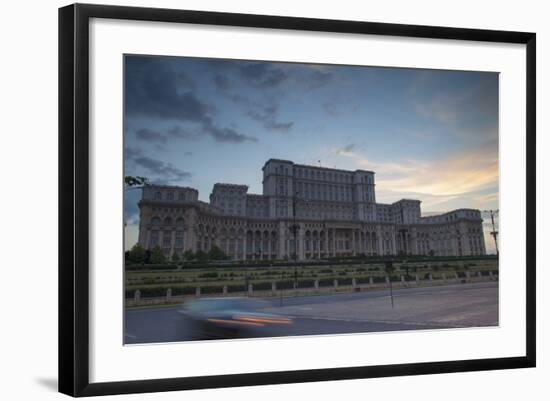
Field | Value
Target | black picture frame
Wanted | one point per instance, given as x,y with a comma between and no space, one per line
74,201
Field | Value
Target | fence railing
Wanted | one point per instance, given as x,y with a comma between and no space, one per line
317,287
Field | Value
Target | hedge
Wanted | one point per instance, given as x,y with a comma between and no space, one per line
212,289
151,267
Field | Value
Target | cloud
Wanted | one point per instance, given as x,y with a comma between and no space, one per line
318,78
177,131
154,89
463,102
331,109
226,134
156,170
131,210
159,168
460,174
147,135
263,110
263,75
221,82
267,116
347,150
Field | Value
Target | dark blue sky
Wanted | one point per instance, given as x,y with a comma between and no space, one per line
428,134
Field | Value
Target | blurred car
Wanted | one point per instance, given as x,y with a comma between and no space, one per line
230,318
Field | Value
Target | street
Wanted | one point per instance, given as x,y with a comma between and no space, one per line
449,306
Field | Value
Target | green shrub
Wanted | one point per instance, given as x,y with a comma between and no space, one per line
344,281
208,275
306,283
285,285
145,267
184,290
263,286
212,289
236,288
326,282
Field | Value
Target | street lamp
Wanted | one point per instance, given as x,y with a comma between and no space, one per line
294,228
493,233
295,231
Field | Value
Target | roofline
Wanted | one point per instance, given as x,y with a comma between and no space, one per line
317,167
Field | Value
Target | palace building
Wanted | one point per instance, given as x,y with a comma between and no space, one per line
305,211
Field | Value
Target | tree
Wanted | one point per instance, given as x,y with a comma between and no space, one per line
135,182
136,254
175,258
431,253
157,257
147,258
188,255
201,256
216,253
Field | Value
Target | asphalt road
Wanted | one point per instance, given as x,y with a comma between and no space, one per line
450,306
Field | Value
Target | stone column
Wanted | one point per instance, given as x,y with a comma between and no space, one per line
414,242
253,245
319,241
161,238
281,238
191,237
379,240
333,242
172,242
368,239
301,247
394,249
261,245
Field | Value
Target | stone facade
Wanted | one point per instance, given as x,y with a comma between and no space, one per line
329,212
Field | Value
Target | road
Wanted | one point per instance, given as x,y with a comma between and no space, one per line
449,306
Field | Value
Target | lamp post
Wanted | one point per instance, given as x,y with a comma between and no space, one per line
294,231
493,233
389,270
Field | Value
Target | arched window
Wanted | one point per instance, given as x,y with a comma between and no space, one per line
167,221
155,221
158,196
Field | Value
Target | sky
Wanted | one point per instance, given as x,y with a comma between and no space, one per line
430,135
